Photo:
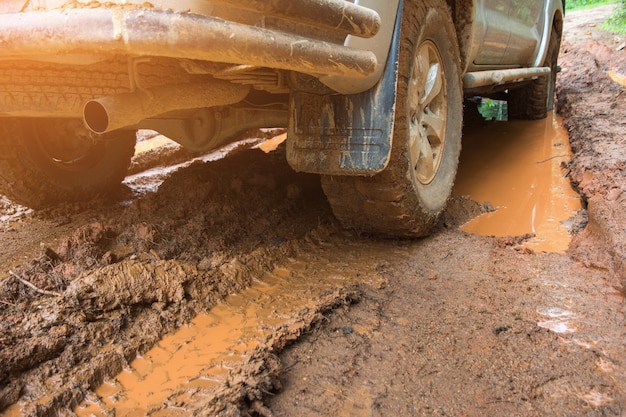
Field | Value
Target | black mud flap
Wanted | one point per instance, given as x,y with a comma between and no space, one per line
337,134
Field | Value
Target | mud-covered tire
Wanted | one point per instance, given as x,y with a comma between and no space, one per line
46,162
407,198
535,99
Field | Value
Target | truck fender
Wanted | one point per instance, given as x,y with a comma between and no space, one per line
553,14
337,134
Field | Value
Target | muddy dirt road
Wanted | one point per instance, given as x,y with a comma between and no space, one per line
231,290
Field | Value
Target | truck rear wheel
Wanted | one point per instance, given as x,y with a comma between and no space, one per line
534,100
45,162
406,199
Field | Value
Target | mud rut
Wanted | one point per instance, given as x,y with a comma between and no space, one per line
454,324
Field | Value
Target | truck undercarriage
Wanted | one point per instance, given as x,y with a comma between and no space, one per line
366,89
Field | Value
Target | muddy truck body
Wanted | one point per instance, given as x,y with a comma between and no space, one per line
371,91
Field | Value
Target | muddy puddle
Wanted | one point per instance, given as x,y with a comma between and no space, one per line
188,366
516,167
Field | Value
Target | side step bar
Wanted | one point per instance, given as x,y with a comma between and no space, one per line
175,35
485,78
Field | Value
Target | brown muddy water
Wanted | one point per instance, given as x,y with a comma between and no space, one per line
187,366
516,167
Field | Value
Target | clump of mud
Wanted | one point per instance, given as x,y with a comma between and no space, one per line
10,212
112,287
461,209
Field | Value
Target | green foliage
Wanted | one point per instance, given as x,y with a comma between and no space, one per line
493,109
581,4
617,22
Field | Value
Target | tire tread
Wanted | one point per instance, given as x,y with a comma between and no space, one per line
387,203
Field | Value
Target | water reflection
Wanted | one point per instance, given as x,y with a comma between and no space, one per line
516,166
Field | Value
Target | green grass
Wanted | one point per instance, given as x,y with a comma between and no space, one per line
616,23
585,4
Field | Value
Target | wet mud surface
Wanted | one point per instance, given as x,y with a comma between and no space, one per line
227,288
593,104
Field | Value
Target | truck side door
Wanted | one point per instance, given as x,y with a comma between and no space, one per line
509,31
526,19
492,29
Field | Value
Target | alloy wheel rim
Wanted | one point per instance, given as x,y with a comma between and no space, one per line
428,111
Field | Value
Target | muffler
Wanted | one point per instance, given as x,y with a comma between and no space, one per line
105,114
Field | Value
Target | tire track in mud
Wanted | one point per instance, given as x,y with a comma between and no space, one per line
127,280
225,359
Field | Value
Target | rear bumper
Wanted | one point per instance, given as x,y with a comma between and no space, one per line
148,32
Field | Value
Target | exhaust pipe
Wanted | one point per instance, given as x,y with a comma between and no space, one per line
485,78
105,114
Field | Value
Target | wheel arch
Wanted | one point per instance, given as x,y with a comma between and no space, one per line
555,12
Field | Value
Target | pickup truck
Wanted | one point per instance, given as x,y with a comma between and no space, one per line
371,91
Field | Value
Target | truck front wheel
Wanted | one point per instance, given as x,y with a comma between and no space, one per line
45,162
406,199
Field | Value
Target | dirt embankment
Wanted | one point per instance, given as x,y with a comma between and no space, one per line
592,101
